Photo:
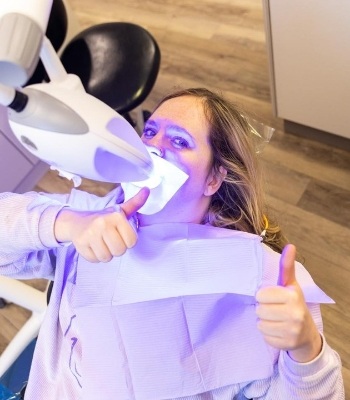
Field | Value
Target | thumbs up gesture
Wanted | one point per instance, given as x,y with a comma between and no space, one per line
283,316
100,235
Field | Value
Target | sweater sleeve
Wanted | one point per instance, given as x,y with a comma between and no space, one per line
26,234
27,240
318,379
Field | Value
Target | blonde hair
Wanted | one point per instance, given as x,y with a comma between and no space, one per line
239,203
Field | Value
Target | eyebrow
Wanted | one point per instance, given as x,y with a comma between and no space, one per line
175,128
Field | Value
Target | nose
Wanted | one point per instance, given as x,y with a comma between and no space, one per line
157,150
156,144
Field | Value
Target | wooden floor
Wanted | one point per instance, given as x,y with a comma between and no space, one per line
220,44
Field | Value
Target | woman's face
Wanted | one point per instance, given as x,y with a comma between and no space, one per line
179,132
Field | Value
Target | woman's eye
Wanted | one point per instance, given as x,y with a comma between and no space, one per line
148,133
180,142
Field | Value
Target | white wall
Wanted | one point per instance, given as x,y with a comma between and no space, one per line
310,62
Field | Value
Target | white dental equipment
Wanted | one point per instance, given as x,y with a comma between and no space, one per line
59,122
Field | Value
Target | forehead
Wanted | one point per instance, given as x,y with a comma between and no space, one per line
186,112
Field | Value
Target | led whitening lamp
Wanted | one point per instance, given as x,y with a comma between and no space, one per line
58,122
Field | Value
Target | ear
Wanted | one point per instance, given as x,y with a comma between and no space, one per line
214,181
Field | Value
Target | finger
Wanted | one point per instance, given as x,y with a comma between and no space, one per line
278,335
131,206
125,230
274,295
277,342
88,254
101,250
114,242
271,328
271,312
286,275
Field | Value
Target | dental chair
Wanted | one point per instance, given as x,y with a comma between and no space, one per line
118,62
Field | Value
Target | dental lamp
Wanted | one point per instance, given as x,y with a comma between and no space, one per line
58,122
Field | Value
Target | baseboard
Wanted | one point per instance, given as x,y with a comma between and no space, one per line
317,135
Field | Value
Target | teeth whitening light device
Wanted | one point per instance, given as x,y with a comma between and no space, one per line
59,122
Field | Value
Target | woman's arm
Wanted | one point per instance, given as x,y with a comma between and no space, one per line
307,367
26,233
319,379
284,318
100,235
33,223
27,227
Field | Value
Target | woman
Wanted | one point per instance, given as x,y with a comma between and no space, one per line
129,327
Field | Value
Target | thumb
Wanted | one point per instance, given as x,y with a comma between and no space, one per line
131,206
287,266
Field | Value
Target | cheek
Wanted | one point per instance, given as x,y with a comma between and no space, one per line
179,160
194,165
198,174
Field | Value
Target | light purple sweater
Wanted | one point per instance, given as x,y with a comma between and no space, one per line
93,346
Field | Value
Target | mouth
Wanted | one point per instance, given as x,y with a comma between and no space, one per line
164,181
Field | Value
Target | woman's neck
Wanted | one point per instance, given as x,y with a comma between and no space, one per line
179,215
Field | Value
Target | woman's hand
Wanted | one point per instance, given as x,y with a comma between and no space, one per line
284,319
100,235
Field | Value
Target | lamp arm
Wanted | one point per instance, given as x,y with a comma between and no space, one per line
12,98
52,62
